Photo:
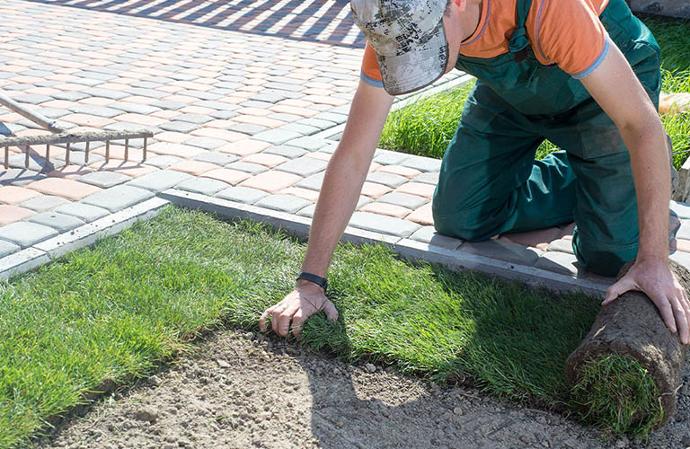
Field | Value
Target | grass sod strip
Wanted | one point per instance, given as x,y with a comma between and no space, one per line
116,310
426,127
629,405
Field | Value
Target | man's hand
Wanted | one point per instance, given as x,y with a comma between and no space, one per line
305,300
654,277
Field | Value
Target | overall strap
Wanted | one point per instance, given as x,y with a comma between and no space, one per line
519,43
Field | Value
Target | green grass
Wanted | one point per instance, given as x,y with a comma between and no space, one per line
426,127
629,405
116,310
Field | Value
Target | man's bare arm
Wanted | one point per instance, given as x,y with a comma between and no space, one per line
342,184
619,93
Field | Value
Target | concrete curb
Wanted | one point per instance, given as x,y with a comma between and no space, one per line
86,235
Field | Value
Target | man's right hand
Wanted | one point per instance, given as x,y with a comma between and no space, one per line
305,300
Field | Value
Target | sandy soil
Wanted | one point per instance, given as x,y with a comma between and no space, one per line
240,390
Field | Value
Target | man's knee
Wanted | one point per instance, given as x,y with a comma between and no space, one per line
603,259
463,224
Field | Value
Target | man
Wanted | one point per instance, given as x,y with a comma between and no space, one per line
583,73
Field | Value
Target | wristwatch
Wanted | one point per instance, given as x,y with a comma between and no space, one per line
318,280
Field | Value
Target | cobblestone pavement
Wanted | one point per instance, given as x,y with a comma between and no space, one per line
243,115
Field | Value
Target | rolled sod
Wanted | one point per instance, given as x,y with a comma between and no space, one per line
626,372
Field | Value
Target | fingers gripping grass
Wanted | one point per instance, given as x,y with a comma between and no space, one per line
617,392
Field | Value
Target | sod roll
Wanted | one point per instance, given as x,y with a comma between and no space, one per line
626,372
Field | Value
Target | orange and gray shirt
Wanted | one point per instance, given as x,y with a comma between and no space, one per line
567,33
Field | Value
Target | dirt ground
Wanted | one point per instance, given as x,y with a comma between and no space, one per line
240,390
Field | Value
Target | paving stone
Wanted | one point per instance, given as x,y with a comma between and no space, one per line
204,186
134,108
428,234
66,188
680,257
198,119
69,95
387,179
387,157
163,161
304,166
104,179
195,168
681,209
502,250
20,176
271,181
425,164
427,178
118,197
159,180
285,203
684,230
388,209
178,126
246,128
307,211
244,195
422,215
417,188
558,262
25,234
207,143
404,200
247,167
98,111
43,203
312,182
383,224
82,211
317,123
7,248
15,195
58,221
287,151
227,175
11,213
276,136
217,158
302,129
308,143
562,245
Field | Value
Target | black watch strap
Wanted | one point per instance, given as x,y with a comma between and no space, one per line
318,280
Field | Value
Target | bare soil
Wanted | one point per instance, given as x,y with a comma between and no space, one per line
241,390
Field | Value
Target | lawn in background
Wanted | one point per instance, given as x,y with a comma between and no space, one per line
113,311
426,127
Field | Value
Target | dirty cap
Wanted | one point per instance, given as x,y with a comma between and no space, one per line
408,39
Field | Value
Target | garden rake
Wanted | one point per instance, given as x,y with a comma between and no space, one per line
61,136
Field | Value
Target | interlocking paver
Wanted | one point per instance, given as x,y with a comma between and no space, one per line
25,234
269,160
245,147
7,248
84,212
417,188
271,181
67,188
420,163
159,180
104,179
57,221
248,167
241,194
11,213
118,197
428,234
386,209
561,245
277,136
285,203
404,200
374,190
387,179
42,203
383,224
15,195
227,175
195,168
215,157
304,166
204,186
422,215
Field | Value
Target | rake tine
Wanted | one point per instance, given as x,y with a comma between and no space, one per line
48,153
26,157
144,158
67,155
86,156
107,151
126,150
7,158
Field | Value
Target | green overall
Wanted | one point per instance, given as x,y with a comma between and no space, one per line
489,181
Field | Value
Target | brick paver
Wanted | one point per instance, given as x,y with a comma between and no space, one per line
237,109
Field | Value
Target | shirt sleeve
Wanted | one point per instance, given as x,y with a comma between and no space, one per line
570,34
371,73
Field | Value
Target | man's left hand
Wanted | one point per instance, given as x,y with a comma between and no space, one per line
654,277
